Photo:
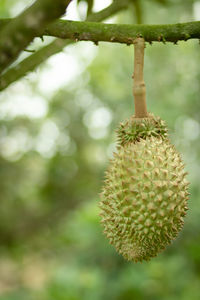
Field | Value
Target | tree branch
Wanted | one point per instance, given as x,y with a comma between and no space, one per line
20,31
122,33
99,16
98,32
34,60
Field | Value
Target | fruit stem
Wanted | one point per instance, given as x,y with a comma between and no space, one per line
139,89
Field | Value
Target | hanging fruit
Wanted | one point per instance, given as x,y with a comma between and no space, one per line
144,197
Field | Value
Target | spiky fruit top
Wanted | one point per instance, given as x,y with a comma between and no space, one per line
144,198
134,129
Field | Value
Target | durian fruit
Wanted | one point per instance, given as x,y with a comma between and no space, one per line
144,198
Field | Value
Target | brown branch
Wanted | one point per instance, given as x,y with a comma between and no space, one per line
20,31
139,89
31,62
123,33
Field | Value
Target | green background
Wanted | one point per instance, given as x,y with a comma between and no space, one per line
52,166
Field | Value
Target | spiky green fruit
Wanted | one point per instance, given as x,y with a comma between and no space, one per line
144,198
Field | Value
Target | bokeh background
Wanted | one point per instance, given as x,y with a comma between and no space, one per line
57,133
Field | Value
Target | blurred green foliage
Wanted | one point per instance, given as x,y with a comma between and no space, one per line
51,171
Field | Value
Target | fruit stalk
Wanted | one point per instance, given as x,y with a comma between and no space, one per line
139,89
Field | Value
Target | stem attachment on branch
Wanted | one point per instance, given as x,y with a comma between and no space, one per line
139,89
